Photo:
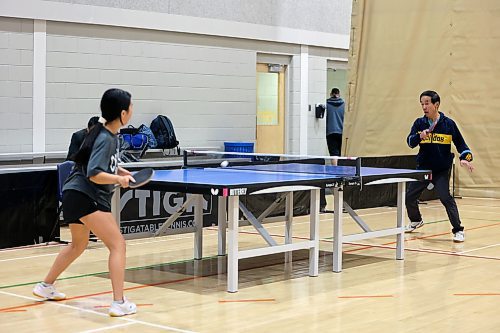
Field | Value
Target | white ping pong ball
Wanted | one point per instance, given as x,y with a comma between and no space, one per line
224,164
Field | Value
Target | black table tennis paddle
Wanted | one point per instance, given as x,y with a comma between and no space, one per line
141,177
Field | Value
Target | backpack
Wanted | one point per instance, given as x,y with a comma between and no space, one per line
143,129
163,130
131,138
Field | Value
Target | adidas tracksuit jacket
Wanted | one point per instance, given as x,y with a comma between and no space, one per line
435,154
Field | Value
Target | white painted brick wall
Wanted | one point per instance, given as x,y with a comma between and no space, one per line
16,74
208,92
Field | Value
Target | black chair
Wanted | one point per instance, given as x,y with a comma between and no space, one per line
63,172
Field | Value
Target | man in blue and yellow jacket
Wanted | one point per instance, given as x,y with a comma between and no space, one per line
434,133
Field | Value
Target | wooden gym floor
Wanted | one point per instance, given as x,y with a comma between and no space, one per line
439,287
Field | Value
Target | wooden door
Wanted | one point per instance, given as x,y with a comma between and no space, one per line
270,136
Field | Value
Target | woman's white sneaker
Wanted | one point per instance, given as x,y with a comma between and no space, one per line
47,292
118,309
459,237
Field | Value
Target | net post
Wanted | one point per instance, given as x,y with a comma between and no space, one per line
184,159
358,172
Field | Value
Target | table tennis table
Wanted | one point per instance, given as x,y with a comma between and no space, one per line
228,184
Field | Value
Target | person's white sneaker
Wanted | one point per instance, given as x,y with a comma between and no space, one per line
414,225
118,309
47,292
459,237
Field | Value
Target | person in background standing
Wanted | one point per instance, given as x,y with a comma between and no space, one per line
334,128
78,137
335,107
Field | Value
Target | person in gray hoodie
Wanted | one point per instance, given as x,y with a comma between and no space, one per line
334,122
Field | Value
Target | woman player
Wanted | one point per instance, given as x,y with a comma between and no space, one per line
87,201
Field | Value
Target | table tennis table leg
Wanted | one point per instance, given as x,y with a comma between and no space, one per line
288,224
221,225
232,253
198,226
400,243
338,199
314,233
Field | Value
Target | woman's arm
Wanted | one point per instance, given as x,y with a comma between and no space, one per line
109,178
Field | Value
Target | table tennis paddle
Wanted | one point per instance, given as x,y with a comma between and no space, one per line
141,177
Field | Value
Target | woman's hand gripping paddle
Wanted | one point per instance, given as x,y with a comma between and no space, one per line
141,177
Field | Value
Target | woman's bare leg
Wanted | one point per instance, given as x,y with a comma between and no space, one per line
104,226
79,241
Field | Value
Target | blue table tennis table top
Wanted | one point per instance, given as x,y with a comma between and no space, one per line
255,177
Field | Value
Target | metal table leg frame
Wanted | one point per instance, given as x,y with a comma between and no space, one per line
288,224
338,199
314,233
164,227
232,235
400,238
221,225
257,225
198,227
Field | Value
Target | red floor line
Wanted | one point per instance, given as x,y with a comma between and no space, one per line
385,246
364,246
433,252
130,288
446,233
282,236
21,306
8,311
103,293
135,287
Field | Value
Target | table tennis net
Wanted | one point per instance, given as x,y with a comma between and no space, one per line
273,163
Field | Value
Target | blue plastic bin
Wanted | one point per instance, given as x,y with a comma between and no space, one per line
239,147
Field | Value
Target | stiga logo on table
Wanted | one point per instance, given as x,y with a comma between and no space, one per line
145,210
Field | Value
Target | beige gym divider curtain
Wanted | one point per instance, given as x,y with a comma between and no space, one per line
401,48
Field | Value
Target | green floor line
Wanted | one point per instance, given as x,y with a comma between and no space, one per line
101,273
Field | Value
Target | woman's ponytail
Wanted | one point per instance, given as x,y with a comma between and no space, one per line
82,156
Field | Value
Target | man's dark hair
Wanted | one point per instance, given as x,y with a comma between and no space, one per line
92,122
335,91
433,95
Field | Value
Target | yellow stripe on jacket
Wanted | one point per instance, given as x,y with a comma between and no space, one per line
443,139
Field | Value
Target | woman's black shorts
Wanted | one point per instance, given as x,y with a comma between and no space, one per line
77,204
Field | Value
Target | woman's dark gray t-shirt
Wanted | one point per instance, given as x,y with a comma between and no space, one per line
104,158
